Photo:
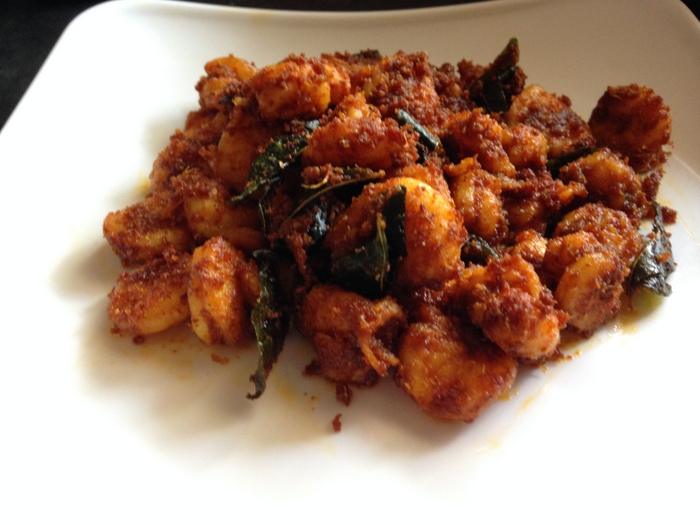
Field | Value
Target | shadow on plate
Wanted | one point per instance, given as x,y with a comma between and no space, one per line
179,390
180,393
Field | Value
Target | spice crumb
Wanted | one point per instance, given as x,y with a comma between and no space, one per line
336,423
221,359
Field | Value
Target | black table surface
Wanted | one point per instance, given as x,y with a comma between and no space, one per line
30,28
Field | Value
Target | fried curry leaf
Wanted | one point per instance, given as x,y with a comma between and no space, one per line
353,176
491,90
270,320
478,250
371,54
425,137
368,269
655,263
267,168
395,215
555,164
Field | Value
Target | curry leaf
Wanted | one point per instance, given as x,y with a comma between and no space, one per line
477,249
353,176
655,263
556,164
491,89
425,137
270,320
267,168
368,268
395,217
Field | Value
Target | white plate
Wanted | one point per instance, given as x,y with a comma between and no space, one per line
95,429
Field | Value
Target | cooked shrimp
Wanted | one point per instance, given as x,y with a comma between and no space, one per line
389,91
635,122
476,134
190,147
359,67
297,87
477,197
434,232
338,79
564,250
612,228
356,135
563,128
353,336
244,138
590,289
508,301
525,146
223,286
588,260
450,371
209,214
531,246
434,236
144,230
453,93
430,172
610,180
223,80
153,297
534,198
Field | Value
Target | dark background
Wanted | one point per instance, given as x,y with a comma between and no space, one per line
30,28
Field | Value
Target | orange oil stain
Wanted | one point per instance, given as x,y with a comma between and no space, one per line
529,400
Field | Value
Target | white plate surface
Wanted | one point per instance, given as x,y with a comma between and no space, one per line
97,430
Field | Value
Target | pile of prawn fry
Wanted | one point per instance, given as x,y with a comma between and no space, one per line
437,226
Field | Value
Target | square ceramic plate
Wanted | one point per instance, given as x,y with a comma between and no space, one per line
95,429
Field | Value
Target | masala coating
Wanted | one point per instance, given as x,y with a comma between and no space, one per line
437,225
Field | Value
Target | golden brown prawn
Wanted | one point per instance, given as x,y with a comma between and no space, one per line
354,337
449,370
507,299
222,288
152,297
